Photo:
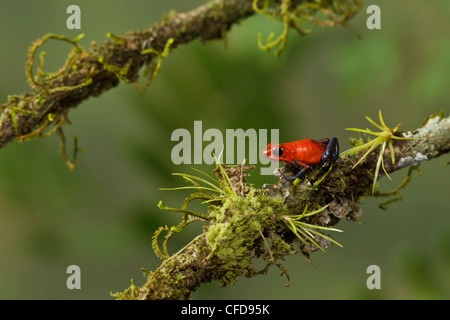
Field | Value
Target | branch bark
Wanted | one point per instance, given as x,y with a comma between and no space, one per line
202,260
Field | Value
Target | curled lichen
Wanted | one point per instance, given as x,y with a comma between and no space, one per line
294,15
154,66
33,80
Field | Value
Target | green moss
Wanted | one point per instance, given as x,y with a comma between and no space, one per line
74,55
441,114
236,226
154,66
129,294
294,15
243,223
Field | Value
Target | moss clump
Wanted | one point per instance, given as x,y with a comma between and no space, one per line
236,227
294,14
242,223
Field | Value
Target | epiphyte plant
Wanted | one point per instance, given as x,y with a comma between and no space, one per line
383,138
209,190
305,231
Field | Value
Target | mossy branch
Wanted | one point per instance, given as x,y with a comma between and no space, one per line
239,225
90,72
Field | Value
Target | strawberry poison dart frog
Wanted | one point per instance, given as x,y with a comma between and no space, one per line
304,153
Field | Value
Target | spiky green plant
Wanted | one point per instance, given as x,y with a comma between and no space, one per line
384,138
212,190
306,231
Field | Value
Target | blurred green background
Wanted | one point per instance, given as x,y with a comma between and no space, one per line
102,216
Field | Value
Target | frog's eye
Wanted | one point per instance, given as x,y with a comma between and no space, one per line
277,152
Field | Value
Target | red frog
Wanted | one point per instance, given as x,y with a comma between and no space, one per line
304,153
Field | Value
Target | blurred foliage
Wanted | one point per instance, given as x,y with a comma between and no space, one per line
102,216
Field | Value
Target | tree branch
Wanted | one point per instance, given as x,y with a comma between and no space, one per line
123,53
238,225
89,73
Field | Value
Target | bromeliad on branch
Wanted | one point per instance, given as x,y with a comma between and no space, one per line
384,137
